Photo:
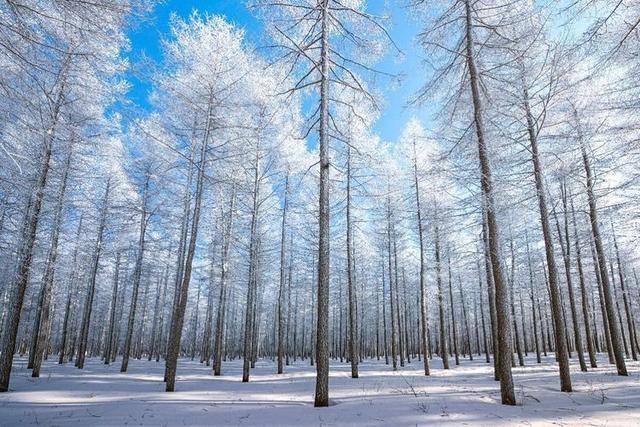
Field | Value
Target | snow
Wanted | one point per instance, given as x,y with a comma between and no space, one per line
100,395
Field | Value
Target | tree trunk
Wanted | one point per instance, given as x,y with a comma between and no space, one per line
533,303
554,291
441,310
384,317
565,246
173,347
603,307
222,300
157,317
19,284
249,324
322,330
484,327
194,324
465,319
282,273
112,316
424,321
502,296
454,327
614,332
137,274
47,287
493,316
88,304
182,242
512,285
160,347
394,351
350,285
617,302
70,296
397,295
625,300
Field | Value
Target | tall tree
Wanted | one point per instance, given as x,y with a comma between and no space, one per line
614,330
318,39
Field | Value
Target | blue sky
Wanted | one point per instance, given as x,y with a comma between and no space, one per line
145,38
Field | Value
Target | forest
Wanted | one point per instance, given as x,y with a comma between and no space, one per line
241,244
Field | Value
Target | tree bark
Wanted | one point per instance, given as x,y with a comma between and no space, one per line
603,307
565,246
484,327
554,291
157,316
222,300
454,327
614,331
625,300
583,291
322,329
533,303
424,321
21,279
173,347
88,304
137,274
493,317
282,274
112,315
512,285
47,287
384,317
71,292
350,285
249,324
394,351
441,310
502,296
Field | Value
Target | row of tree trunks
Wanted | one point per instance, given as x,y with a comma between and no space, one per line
223,292
29,231
41,329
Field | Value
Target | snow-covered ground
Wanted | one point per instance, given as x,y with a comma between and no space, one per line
464,395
